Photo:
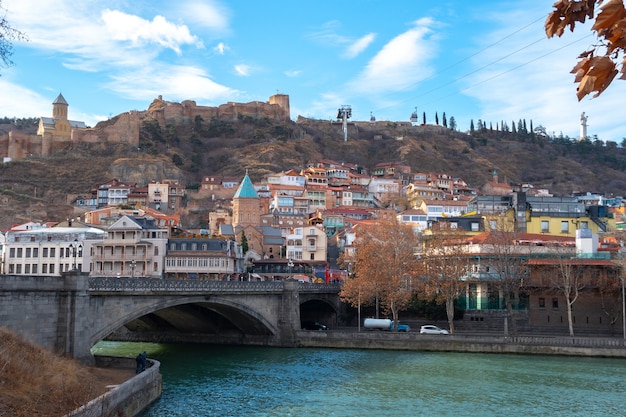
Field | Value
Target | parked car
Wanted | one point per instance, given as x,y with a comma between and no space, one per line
313,325
431,329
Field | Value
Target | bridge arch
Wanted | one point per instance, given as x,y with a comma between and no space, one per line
187,314
319,307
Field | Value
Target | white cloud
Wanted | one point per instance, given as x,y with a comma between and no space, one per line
30,104
206,13
400,64
293,73
360,45
221,48
243,70
172,82
124,27
328,36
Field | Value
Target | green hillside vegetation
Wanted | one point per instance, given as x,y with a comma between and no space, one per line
38,189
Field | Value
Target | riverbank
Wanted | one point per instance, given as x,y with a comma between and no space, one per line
129,398
532,345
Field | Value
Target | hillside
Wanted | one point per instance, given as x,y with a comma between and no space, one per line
35,382
38,188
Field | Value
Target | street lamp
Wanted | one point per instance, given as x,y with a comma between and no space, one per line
75,247
290,265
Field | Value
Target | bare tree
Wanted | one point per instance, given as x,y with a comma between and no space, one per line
384,269
569,276
7,36
445,264
507,264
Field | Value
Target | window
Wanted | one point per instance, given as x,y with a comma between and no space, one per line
34,268
542,302
555,303
52,254
52,268
44,268
12,253
35,252
564,226
45,252
474,226
28,252
19,252
545,226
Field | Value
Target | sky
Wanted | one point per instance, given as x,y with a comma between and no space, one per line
487,60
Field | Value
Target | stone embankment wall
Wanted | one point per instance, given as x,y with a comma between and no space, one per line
562,345
127,399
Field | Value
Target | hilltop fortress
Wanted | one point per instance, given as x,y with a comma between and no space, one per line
57,132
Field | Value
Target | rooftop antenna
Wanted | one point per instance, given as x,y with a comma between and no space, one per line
344,113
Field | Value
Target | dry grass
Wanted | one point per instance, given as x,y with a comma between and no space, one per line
36,382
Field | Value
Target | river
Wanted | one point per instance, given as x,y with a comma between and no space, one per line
204,380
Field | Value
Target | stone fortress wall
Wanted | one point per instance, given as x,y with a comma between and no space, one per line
125,127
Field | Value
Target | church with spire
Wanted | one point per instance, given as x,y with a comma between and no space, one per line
58,125
246,204
51,131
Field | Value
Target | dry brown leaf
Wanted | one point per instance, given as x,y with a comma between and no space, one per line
610,14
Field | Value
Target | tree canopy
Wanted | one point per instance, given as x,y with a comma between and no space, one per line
598,65
385,267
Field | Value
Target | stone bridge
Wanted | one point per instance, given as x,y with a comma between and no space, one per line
71,314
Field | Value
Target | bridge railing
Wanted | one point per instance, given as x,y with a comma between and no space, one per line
108,284
114,284
314,287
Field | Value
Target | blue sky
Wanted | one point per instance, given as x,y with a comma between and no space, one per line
487,60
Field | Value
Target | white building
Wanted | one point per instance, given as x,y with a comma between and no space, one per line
39,250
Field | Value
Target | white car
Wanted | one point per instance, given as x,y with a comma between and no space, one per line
430,329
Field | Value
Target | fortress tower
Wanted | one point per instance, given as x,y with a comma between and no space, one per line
283,101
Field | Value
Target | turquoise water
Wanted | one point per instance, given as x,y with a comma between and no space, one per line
202,380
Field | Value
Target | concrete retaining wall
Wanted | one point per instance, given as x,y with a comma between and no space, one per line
127,399
601,347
